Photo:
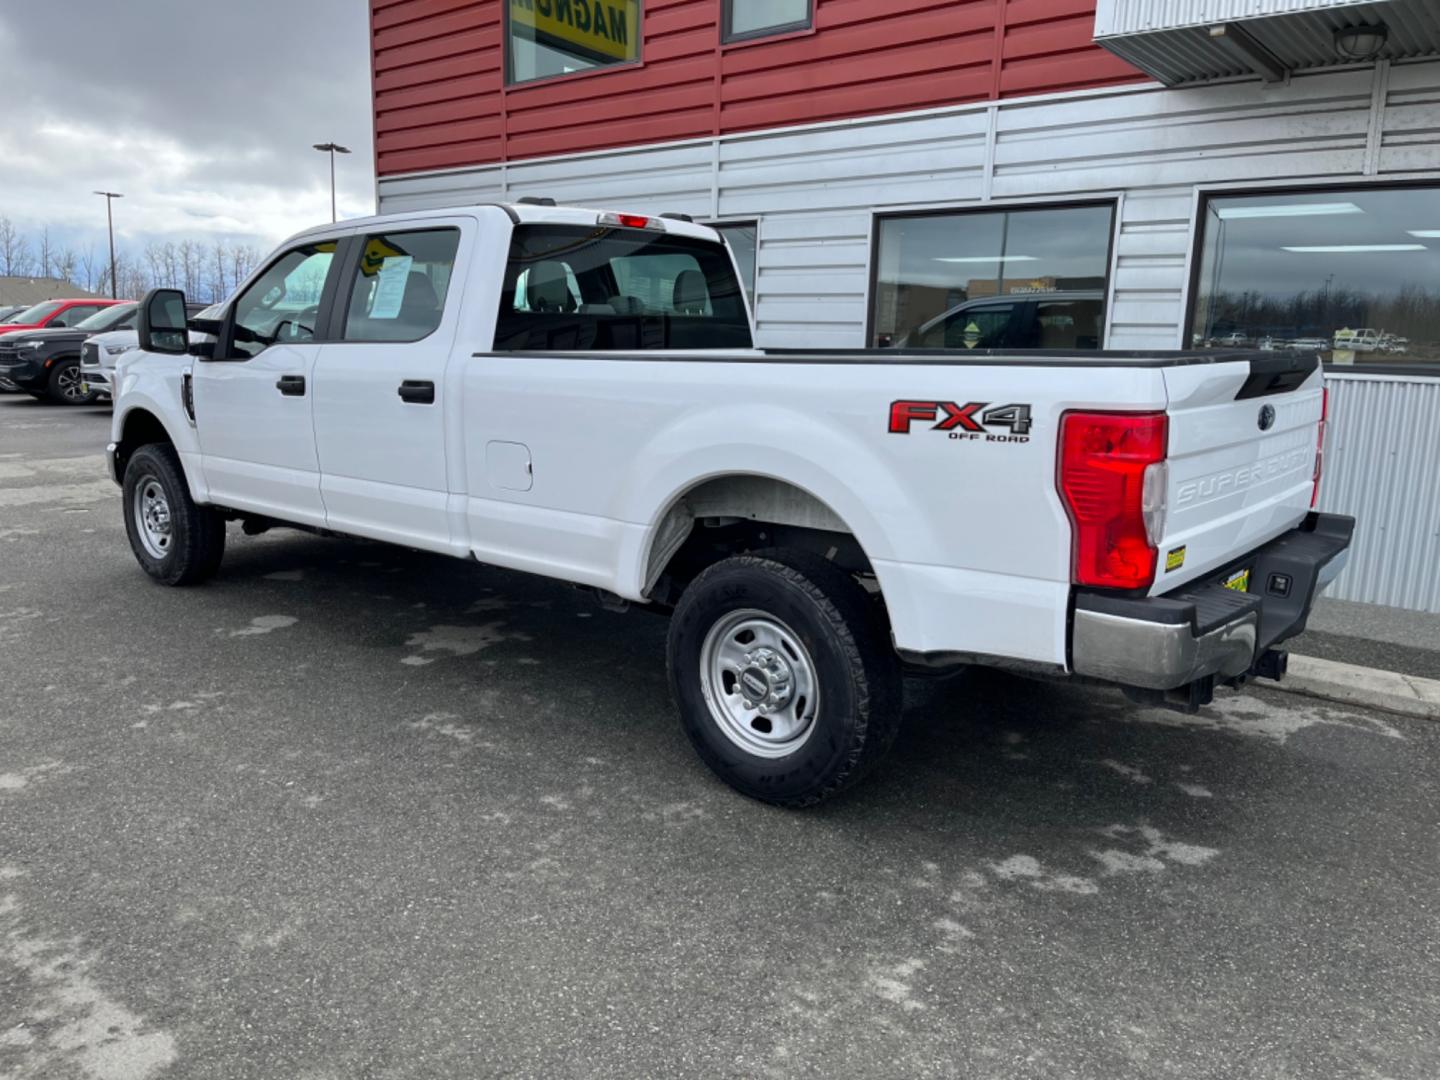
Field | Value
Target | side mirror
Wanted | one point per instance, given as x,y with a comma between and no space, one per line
160,322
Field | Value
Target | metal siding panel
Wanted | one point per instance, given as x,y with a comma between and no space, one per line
1170,39
1383,466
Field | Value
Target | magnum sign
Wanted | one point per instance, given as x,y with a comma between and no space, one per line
605,31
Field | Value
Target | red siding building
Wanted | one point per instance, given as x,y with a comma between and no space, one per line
442,100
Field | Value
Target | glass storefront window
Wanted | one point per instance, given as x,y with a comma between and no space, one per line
761,18
742,238
993,279
1353,274
560,37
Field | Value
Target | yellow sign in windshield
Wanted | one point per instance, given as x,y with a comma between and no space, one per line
601,30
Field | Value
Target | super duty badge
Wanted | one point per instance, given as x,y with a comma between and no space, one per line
975,420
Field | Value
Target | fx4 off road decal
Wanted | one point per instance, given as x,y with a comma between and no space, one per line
976,420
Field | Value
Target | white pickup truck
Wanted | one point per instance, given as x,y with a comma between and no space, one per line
575,393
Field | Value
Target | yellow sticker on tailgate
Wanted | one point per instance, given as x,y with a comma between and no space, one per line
1239,581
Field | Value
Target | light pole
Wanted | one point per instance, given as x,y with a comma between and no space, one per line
110,197
332,149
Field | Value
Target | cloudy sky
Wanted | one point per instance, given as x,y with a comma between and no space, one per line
201,112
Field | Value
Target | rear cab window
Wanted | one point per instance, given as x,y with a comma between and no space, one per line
578,287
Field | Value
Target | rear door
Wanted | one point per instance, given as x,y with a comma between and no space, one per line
380,394
1242,450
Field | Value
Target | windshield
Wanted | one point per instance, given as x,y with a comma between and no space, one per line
9,314
115,317
37,314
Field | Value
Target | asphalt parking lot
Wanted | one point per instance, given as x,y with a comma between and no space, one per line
350,811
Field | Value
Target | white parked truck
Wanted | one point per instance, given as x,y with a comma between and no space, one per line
575,393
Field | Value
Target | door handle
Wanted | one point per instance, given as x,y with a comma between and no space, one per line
291,385
417,391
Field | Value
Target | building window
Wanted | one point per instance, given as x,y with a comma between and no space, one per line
743,238
745,19
560,37
993,279
1353,274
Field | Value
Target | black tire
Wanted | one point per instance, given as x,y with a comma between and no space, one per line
61,376
855,669
196,540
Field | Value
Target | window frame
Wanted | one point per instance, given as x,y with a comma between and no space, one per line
512,83
727,16
1196,255
877,220
752,222
223,352
353,252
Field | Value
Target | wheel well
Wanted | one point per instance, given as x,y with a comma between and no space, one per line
141,429
729,515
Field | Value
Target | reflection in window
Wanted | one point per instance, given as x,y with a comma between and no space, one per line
1354,275
994,279
283,303
742,238
561,37
760,18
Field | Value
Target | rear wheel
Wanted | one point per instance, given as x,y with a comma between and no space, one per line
786,684
175,540
65,386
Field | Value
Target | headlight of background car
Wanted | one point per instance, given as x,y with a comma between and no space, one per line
116,350
30,346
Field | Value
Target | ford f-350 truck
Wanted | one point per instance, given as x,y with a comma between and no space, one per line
575,393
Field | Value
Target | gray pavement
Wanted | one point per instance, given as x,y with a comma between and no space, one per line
350,811
1391,639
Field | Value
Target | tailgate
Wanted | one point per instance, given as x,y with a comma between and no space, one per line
1243,437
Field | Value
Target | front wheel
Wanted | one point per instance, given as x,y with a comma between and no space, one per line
175,540
66,385
786,685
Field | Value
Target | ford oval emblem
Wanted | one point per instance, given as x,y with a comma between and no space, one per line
1267,417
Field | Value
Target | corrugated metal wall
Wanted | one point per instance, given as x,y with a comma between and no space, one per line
441,101
1383,466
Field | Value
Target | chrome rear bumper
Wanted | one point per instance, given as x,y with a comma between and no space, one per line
1206,631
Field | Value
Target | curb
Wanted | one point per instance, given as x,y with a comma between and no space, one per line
1350,684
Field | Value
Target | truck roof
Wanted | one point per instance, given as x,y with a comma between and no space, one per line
520,213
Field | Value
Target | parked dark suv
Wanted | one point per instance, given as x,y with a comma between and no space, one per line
46,363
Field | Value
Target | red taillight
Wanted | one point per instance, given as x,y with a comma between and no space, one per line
1320,445
1104,461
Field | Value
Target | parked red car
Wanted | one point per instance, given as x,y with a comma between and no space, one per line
55,313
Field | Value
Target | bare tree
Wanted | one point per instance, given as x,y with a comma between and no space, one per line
218,252
89,270
14,250
65,265
192,257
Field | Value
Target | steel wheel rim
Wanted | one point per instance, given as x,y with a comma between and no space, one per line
759,683
152,518
69,382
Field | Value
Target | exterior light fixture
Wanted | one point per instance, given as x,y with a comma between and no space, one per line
1360,42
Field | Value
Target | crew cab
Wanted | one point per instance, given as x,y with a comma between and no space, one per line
575,393
46,363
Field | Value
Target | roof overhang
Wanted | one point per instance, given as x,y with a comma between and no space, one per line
1186,41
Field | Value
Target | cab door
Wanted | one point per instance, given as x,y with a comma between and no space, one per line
380,394
253,398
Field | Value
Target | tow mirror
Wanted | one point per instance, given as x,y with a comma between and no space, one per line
160,323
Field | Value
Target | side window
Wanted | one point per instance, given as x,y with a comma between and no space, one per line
398,292
72,315
981,327
283,303
1070,324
